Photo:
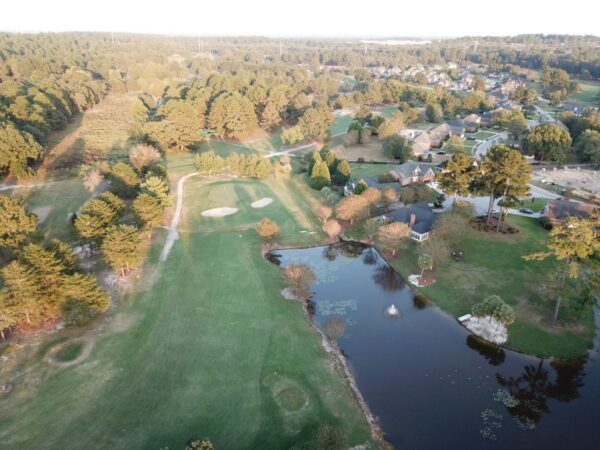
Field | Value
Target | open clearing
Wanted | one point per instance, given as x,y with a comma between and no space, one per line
588,93
214,350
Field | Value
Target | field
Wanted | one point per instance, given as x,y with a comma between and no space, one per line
202,345
494,265
103,131
588,93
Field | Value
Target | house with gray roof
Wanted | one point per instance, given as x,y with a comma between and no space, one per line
413,172
419,217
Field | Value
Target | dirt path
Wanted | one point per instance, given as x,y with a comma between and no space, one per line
172,233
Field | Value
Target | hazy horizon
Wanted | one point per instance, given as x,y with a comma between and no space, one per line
350,19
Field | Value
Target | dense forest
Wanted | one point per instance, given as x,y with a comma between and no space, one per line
238,84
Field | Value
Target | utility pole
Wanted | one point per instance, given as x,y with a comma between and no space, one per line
112,37
280,50
201,48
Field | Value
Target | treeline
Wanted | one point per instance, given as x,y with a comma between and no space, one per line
237,105
47,79
40,281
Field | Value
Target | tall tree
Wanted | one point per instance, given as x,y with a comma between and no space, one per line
458,175
548,142
505,173
16,225
123,248
572,242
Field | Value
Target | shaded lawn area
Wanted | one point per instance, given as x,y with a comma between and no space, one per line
340,124
533,203
494,265
57,201
205,348
360,170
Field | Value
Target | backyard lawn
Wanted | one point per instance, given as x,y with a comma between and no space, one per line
202,345
360,170
494,265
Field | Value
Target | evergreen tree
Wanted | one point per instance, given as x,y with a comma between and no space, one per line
342,173
148,209
17,148
158,188
123,248
320,176
16,225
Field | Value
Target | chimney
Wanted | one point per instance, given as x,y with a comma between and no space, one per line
413,219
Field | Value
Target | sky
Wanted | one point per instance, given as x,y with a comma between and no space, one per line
309,18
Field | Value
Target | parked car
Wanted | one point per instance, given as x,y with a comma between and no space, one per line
525,211
441,152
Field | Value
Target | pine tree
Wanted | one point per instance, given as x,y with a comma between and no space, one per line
9,316
342,173
123,248
158,188
320,176
23,291
148,209
16,225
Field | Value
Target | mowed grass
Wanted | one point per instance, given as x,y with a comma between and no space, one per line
494,265
55,203
369,170
588,94
205,347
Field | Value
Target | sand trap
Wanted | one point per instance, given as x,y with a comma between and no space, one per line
262,202
219,212
42,212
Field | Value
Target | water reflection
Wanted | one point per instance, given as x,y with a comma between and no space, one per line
430,382
492,353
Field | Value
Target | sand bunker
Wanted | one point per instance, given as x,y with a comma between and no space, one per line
42,212
262,202
219,212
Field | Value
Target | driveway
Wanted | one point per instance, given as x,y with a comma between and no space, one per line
482,148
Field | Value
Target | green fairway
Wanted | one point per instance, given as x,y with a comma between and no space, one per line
203,345
588,94
494,265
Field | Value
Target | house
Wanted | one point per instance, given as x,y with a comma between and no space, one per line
457,128
419,217
556,211
413,172
510,85
421,144
472,122
439,134
371,182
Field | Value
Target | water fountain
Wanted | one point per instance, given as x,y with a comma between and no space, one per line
392,311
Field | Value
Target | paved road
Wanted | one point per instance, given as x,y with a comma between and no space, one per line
545,115
482,148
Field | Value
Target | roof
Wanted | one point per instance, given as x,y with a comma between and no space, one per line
472,118
373,182
563,208
424,216
457,125
408,168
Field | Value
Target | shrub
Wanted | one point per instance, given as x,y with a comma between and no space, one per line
267,229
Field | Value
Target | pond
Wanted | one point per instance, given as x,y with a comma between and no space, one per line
433,385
